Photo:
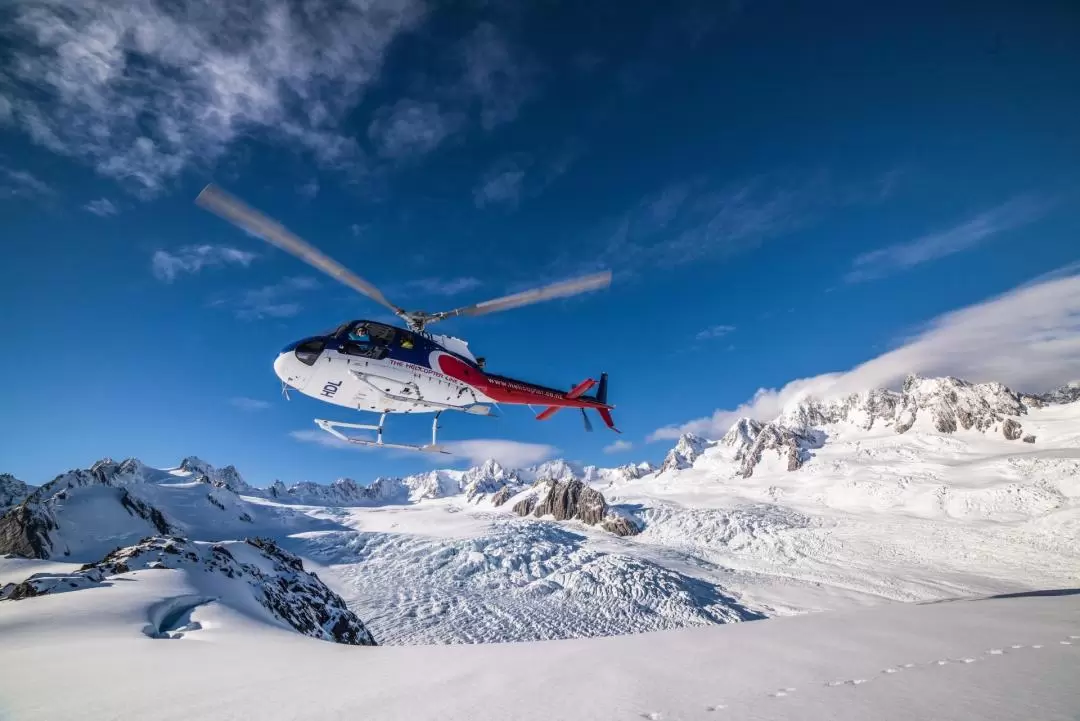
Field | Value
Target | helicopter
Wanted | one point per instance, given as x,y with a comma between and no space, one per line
378,367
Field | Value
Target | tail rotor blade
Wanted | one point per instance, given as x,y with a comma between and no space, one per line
588,423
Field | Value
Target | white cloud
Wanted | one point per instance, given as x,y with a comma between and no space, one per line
248,404
619,446
511,454
411,128
1028,338
714,331
356,230
141,90
102,207
273,301
22,184
194,258
903,256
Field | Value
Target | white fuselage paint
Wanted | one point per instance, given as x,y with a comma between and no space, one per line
382,386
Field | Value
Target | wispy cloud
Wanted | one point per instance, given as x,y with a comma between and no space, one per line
619,446
968,234
501,185
1028,338
142,90
411,128
191,259
248,404
278,300
102,206
714,331
22,184
497,74
442,286
691,220
511,454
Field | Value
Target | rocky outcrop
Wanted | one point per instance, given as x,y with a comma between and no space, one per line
1011,429
1029,438
256,567
12,491
572,499
688,449
25,531
501,496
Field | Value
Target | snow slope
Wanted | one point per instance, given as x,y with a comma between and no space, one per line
912,495
981,660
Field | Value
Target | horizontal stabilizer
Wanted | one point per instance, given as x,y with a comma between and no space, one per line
576,392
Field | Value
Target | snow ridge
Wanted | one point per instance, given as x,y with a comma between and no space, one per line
256,568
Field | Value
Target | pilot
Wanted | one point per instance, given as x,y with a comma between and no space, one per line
406,343
359,333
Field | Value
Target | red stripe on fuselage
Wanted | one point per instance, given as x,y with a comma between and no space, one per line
509,390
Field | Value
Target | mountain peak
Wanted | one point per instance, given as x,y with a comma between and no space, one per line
688,449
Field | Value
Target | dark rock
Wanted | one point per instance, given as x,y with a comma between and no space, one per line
525,506
25,529
501,496
1029,438
1011,429
620,525
572,499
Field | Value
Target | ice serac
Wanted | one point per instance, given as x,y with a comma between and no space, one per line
688,449
12,491
572,499
256,568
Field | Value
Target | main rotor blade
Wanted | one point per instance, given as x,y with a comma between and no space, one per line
234,210
555,290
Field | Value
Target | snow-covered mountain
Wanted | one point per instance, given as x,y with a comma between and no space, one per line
83,513
921,493
254,573
945,405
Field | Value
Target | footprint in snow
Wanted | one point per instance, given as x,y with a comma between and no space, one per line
653,716
717,707
1065,643
782,692
1017,645
995,652
968,660
890,670
1036,645
941,662
909,665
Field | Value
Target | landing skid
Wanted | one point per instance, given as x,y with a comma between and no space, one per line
331,427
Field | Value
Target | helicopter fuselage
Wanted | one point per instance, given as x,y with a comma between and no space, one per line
376,367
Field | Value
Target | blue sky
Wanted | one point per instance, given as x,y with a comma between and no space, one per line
781,193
